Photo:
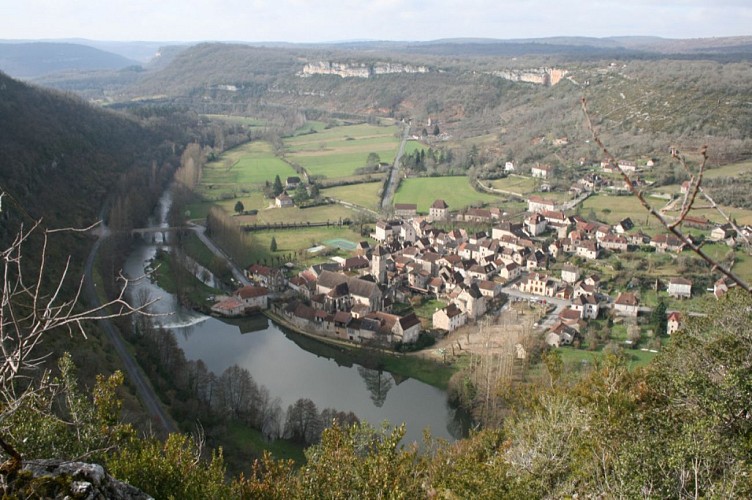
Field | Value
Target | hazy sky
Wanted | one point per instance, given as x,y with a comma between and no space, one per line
334,20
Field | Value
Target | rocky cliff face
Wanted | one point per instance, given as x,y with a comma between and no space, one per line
60,479
358,70
540,76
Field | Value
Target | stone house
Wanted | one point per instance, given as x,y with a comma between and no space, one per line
449,318
587,306
674,322
680,288
538,284
283,200
271,277
253,297
626,304
587,249
667,243
538,204
615,242
229,307
542,171
438,210
405,209
570,273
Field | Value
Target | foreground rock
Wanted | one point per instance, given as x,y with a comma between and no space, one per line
60,479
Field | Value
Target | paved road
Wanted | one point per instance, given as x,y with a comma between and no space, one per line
144,390
237,272
391,187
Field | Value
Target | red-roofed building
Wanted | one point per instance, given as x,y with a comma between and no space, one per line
626,304
674,322
253,297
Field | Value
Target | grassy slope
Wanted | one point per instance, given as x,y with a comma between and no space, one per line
364,195
456,191
338,151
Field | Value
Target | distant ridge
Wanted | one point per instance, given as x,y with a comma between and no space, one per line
34,59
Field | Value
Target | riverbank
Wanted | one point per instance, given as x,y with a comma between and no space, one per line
413,365
436,374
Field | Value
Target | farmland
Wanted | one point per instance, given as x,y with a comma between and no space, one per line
364,195
294,215
337,152
455,191
516,184
246,167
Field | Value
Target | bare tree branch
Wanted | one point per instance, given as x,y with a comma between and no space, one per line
30,309
686,205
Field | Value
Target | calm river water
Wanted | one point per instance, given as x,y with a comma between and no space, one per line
292,366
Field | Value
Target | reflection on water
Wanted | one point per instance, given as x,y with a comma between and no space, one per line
322,373
378,384
293,366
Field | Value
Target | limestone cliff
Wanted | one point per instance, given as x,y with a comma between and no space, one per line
540,76
358,70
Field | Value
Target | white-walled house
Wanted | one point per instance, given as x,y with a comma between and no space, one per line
449,318
627,304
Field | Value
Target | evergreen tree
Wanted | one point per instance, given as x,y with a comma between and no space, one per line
239,207
658,318
273,244
277,189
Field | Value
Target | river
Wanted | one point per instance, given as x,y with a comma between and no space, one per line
293,366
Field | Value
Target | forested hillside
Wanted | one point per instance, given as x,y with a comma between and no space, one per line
644,104
28,60
62,158
67,164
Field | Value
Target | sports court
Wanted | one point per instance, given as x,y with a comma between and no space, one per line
341,243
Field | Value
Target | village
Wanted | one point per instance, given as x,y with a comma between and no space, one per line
476,274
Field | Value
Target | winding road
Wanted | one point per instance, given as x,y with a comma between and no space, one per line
144,390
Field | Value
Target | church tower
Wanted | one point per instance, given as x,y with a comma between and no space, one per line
378,263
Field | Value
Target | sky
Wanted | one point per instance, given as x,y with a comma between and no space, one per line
342,20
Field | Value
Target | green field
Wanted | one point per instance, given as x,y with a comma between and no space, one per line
455,191
364,195
732,170
289,215
337,152
296,241
516,184
309,126
578,357
254,200
246,167
612,209
244,444
413,146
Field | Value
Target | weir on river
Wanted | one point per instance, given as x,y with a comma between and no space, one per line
292,366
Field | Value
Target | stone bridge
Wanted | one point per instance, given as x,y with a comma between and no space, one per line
156,235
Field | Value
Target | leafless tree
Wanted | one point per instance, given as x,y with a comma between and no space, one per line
38,301
29,310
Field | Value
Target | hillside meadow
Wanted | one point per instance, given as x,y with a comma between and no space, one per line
364,195
455,191
243,168
337,152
